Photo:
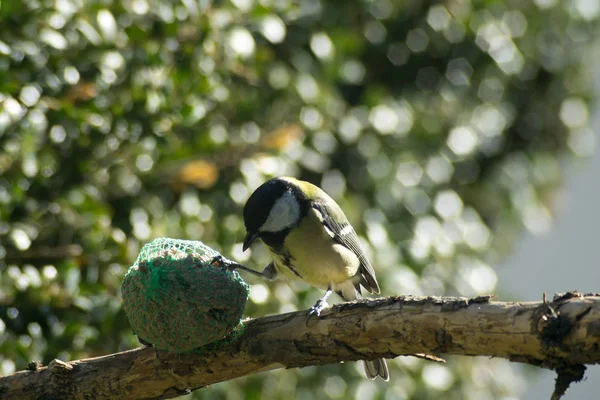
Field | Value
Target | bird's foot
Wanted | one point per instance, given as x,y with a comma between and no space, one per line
220,261
315,311
319,306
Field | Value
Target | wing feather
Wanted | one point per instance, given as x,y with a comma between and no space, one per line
337,226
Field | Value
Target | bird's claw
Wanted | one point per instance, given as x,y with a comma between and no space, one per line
217,261
220,261
315,311
319,306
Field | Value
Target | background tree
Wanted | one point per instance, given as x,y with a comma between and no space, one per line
439,127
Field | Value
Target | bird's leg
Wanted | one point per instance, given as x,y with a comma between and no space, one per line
268,273
319,306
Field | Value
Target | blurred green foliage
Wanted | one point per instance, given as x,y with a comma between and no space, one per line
440,128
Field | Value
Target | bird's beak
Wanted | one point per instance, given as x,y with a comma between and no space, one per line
250,237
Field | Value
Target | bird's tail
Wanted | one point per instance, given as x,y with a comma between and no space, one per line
374,368
377,368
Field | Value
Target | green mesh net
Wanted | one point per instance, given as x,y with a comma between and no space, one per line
176,300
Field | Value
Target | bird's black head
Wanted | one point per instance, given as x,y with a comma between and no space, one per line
274,208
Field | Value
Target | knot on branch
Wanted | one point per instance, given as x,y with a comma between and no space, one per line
554,326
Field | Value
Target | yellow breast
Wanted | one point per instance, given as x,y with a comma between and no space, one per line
309,253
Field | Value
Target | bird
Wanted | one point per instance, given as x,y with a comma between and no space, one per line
309,238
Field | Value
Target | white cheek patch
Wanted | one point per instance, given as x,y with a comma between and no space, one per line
284,214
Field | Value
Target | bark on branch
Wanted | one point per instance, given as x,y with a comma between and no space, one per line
563,335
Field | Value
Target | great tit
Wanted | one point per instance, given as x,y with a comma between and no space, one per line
309,238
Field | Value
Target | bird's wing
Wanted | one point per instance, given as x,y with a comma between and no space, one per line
337,226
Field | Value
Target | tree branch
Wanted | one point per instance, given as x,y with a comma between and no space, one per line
561,335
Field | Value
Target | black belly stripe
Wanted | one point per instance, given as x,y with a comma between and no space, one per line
275,241
287,261
294,271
